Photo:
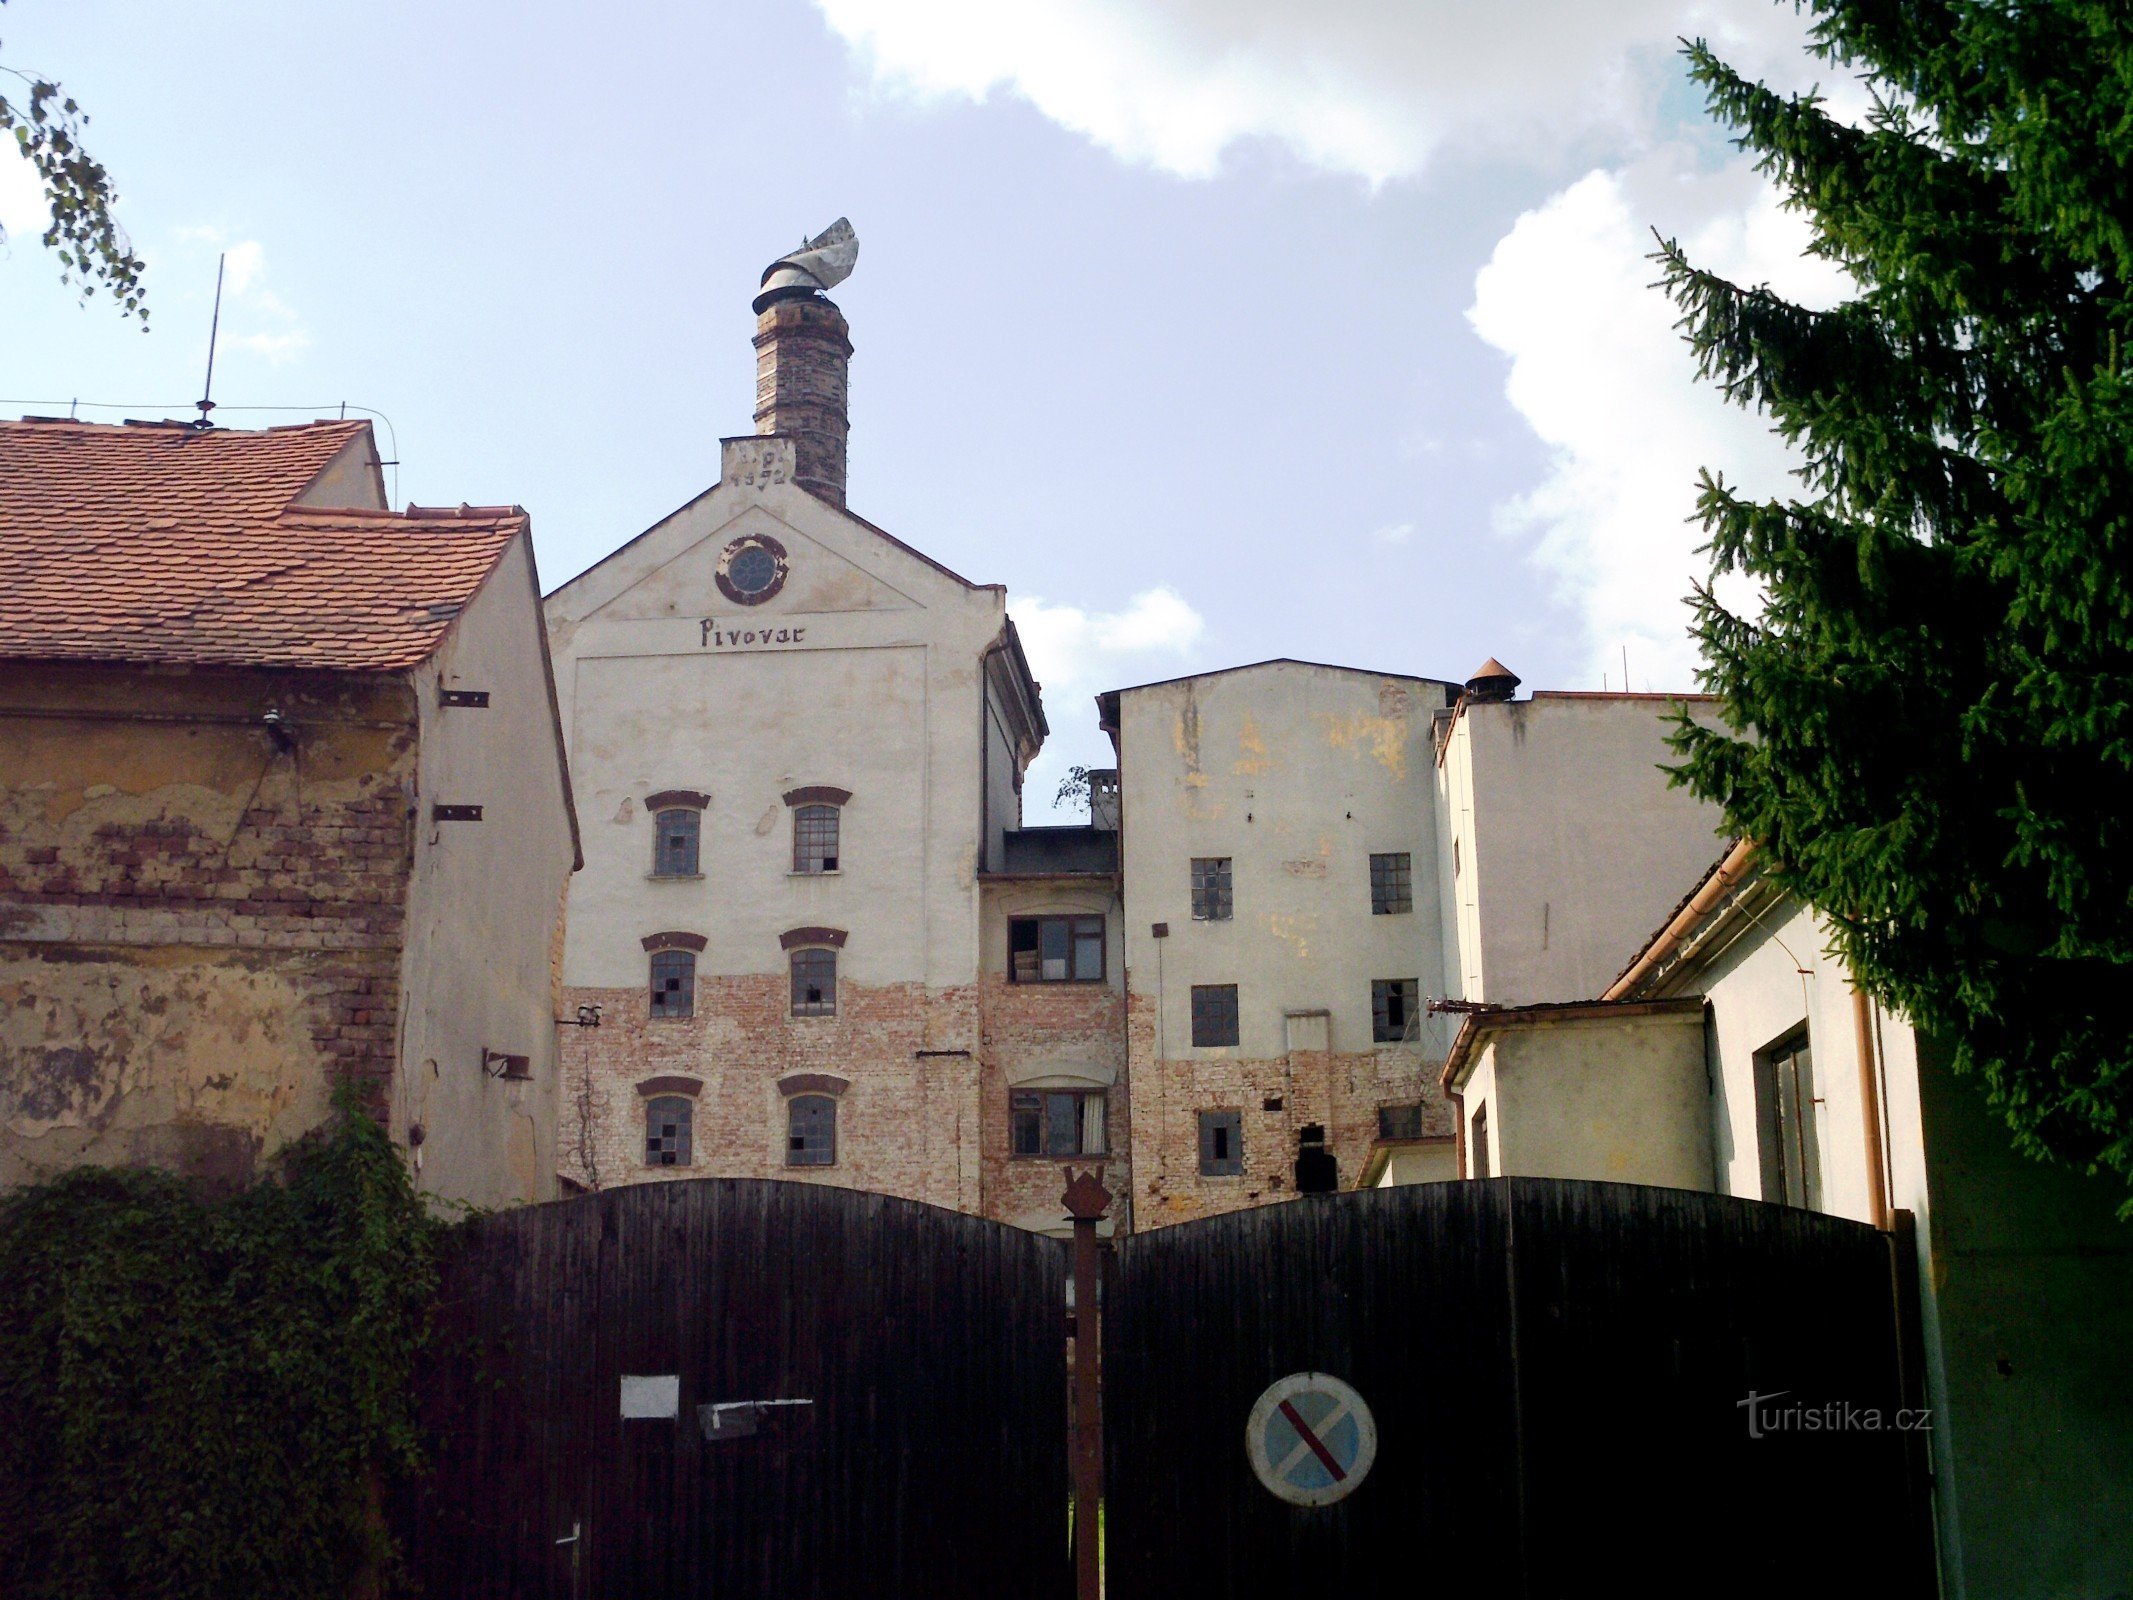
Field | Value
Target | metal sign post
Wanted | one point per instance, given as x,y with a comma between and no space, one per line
1086,1200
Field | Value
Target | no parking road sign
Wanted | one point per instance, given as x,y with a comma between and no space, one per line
1311,1439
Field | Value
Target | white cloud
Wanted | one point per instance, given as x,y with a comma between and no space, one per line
254,317
1602,376
1393,533
1358,86
1076,654
1070,648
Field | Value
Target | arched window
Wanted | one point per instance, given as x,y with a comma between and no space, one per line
814,983
673,983
811,1131
667,1129
674,845
814,838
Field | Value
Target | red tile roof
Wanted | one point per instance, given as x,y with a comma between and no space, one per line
167,544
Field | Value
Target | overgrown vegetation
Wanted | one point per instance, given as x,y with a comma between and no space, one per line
207,1398
1940,686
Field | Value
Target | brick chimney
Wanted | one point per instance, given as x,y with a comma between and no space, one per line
803,353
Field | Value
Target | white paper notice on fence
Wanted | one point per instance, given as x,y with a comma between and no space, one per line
653,1397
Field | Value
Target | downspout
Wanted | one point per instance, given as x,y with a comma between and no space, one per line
1870,1111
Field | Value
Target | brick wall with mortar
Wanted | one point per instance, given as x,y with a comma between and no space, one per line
200,931
1340,1092
907,1124
802,388
1033,1025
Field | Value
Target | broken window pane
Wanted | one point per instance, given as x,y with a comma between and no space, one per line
811,1131
674,845
673,984
814,983
1221,1144
1391,883
667,1131
814,839
1211,899
1392,1008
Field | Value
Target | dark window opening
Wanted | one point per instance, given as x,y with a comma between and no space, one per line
1785,1124
1392,1008
811,1131
814,983
1478,1144
1400,1122
1318,1170
1392,883
674,844
1221,1144
1214,1014
1057,1122
1211,897
814,838
667,1130
673,984
1055,949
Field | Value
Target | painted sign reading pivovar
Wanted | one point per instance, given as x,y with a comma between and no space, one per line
652,1397
1311,1439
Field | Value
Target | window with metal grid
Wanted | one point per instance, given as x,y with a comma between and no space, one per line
1214,1014
1211,898
1057,1122
1055,949
1392,883
811,1131
1392,1008
814,983
667,1129
673,984
674,843
814,838
1221,1144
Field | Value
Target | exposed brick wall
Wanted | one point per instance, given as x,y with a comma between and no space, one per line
1340,1092
1038,1024
907,1125
146,814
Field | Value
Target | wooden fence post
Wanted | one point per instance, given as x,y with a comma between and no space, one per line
1086,1200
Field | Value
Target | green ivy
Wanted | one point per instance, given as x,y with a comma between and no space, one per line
209,1397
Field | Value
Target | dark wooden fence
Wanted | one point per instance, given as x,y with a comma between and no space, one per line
932,1460
1557,1373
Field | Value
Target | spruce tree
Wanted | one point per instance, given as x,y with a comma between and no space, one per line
1933,709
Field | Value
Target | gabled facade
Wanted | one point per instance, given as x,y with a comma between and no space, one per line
800,745
282,806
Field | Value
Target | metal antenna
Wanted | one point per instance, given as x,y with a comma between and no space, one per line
205,403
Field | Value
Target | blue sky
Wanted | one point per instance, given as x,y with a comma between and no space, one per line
1216,329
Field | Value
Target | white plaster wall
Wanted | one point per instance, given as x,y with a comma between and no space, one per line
1436,1162
1759,993
1298,773
863,673
1613,1100
483,906
1573,848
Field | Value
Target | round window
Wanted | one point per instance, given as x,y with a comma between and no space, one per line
752,569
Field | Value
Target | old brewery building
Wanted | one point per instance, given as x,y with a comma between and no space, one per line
823,946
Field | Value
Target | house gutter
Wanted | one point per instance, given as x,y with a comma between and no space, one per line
1722,882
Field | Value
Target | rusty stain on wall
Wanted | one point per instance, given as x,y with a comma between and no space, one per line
1254,759
1384,738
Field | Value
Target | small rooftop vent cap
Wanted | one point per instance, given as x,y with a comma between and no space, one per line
1492,680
